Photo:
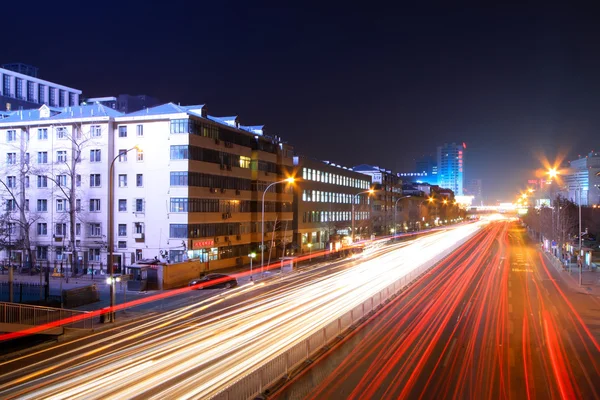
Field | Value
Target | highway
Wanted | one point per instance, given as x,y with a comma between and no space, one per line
489,322
197,350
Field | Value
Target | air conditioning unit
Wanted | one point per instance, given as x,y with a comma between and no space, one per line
216,240
227,238
213,190
237,192
223,190
229,168
238,237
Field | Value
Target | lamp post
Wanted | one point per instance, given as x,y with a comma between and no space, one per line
262,245
579,235
251,255
396,213
430,200
309,252
111,238
370,191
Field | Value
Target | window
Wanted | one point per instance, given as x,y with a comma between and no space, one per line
26,158
122,155
11,205
60,205
122,244
94,254
94,180
26,204
42,205
139,205
42,228
95,205
19,88
42,133
122,229
179,126
61,156
95,131
94,229
140,155
179,178
61,98
139,227
139,129
139,180
61,132
42,95
77,204
179,152
42,181
11,181
78,229
179,205
178,230
122,205
72,101
122,131
78,180
95,155
11,158
42,252
122,180
244,162
61,180
42,157
11,136
60,229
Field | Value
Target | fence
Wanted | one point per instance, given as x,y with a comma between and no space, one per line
24,292
59,268
280,365
11,313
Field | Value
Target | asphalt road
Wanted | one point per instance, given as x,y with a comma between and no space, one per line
491,321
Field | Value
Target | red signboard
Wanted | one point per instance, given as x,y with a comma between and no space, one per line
198,244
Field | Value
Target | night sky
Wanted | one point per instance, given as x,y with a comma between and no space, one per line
352,85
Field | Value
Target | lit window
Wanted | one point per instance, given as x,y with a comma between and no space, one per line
244,162
140,155
122,180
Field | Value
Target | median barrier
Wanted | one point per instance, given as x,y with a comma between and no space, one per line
80,296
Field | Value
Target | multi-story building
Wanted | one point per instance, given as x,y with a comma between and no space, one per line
388,188
20,88
186,185
429,168
450,161
323,204
125,103
473,188
583,176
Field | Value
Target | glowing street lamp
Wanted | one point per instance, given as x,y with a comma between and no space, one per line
396,213
252,256
310,251
262,245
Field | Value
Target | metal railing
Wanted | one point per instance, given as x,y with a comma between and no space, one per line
280,365
12,313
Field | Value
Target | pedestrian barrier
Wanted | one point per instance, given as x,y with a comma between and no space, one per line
12,313
280,365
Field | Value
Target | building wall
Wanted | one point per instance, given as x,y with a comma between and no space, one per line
450,161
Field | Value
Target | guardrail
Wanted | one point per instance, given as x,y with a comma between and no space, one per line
12,313
279,366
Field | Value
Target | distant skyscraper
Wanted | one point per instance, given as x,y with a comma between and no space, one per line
473,188
428,166
450,162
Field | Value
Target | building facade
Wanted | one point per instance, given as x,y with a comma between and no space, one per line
388,189
583,179
450,161
126,103
20,88
186,184
323,205
473,187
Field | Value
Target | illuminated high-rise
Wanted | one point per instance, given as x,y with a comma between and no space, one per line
450,160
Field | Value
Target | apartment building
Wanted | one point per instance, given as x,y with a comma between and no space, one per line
323,204
22,89
186,184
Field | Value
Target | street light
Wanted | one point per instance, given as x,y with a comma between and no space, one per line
430,200
396,213
251,255
111,238
370,191
309,252
262,246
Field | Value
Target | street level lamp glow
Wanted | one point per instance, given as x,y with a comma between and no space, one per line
445,201
252,256
552,172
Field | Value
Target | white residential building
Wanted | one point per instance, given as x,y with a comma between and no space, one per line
186,185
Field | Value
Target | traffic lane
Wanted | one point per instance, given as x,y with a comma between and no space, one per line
218,300
381,340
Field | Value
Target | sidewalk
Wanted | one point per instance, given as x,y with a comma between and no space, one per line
590,279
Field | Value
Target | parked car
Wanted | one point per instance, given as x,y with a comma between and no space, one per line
224,281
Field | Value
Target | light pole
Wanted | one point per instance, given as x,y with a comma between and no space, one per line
309,252
370,191
396,213
262,246
251,255
111,238
430,200
579,235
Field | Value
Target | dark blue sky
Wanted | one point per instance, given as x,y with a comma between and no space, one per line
348,84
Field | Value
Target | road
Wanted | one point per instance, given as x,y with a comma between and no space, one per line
492,321
195,351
